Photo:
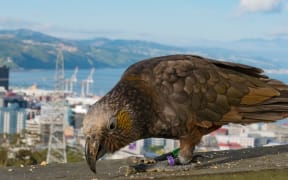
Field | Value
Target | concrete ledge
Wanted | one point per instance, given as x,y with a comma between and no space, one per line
256,161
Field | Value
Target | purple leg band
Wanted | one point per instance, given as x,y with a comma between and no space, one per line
171,160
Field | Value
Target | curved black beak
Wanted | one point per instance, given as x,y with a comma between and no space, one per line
93,152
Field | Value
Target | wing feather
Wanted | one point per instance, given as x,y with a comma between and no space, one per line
212,90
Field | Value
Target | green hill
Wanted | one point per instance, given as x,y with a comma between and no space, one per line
33,50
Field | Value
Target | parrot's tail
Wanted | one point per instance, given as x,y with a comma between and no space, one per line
276,108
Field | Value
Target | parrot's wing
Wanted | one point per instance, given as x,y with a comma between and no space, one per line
220,92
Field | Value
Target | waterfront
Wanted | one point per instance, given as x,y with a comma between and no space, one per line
104,79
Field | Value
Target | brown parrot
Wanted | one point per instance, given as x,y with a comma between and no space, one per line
180,97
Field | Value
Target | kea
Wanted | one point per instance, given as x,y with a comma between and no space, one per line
181,97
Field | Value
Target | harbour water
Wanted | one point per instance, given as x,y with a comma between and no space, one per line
104,79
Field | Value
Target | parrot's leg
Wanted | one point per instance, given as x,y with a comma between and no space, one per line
189,141
182,155
187,146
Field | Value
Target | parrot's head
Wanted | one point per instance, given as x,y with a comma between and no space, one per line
111,123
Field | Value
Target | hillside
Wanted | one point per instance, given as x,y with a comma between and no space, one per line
26,49
33,50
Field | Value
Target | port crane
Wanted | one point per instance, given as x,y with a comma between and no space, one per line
87,84
69,83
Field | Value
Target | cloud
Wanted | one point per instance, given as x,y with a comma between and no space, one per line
264,6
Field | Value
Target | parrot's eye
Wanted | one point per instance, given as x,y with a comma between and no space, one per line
112,123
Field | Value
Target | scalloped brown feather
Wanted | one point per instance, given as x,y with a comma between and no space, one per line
208,90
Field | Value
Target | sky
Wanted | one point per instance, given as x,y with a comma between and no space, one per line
178,22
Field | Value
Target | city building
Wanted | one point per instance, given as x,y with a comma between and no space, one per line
12,113
12,120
